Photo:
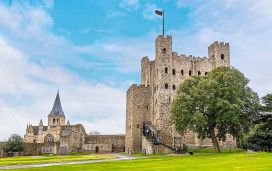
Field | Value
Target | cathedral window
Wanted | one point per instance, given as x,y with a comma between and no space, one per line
199,73
166,70
181,72
190,73
166,86
174,87
174,72
48,138
222,56
164,51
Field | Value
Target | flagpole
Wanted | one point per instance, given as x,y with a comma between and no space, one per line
163,23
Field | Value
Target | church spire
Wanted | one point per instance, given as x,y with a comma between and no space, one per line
57,109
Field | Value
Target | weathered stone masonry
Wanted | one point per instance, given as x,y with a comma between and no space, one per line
151,100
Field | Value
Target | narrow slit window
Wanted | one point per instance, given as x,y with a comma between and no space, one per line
174,72
190,73
166,86
174,87
199,73
182,72
222,56
166,70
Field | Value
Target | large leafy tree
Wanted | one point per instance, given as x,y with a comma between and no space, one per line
261,137
14,144
214,105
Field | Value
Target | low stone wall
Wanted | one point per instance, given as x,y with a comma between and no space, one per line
117,141
154,149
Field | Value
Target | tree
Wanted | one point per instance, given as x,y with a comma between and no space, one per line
14,144
94,132
215,105
261,138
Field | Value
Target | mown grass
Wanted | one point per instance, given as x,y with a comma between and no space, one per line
142,154
212,150
123,153
223,161
78,154
42,159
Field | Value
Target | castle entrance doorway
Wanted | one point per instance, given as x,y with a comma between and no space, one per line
96,149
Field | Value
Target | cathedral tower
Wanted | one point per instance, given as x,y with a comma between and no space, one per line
56,116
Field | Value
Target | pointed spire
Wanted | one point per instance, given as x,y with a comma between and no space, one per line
30,128
57,109
68,123
41,123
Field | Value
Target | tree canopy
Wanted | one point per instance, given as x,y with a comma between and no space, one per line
215,105
261,137
14,144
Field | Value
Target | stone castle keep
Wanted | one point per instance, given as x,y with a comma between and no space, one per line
148,105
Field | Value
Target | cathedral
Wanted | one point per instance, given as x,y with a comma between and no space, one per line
50,133
60,138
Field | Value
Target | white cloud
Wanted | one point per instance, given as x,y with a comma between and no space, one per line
28,90
112,14
130,4
149,12
245,24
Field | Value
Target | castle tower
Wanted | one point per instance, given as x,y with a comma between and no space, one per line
221,54
56,116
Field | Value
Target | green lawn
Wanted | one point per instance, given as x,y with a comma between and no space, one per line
223,161
42,159
212,150
142,154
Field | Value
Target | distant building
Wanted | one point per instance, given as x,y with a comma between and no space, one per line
61,138
148,105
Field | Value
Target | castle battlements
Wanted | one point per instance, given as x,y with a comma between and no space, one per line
160,78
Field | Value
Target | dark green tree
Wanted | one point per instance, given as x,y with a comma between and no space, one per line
214,105
14,144
261,138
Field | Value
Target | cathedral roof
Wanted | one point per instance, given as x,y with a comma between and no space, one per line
57,109
36,129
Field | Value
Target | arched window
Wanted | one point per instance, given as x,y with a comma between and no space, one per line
222,56
166,86
58,120
181,72
174,87
54,120
166,70
206,73
190,73
174,72
199,73
49,138
164,51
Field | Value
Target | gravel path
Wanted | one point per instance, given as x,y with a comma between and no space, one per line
119,157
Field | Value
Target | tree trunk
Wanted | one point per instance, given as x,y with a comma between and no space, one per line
215,142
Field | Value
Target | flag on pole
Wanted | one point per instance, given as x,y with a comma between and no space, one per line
158,12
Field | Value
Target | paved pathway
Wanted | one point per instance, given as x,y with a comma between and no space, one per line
119,157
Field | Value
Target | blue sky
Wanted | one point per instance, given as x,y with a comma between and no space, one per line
91,51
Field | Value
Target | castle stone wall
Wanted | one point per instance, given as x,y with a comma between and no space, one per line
160,80
111,143
138,110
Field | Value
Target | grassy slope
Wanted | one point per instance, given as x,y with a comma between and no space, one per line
224,161
32,160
